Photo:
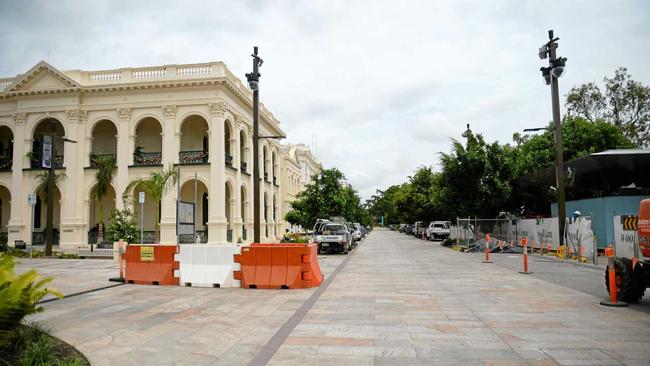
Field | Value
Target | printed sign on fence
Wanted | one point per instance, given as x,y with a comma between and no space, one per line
624,238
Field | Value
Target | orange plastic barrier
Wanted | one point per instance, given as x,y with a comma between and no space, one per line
286,266
150,265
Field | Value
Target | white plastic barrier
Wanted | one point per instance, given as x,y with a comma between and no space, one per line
624,240
204,265
547,233
580,235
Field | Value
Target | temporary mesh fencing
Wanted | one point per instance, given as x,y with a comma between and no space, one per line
542,234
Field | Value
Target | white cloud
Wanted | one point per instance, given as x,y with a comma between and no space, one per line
382,85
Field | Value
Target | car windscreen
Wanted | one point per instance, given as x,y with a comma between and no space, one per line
439,226
333,229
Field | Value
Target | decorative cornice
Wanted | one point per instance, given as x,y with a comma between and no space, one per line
20,118
169,110
125,113
218,109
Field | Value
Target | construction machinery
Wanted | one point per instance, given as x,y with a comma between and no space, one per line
632,262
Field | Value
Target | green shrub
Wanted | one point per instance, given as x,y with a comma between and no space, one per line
38,353
19,295
122,226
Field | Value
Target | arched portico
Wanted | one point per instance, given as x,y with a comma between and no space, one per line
45,127
5,213
201,209
6,148
148,142
99,211
194,140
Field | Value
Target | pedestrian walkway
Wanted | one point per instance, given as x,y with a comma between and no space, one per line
402,301
394,300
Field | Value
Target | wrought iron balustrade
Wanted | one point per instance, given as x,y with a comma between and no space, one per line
193,157
228,159
229,235
243,166
38,237
93,163
37,157
6,163
147,158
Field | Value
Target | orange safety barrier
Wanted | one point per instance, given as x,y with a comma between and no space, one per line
151,264
285,266
611,279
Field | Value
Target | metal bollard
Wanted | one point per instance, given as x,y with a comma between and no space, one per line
487,249
611,273
524,243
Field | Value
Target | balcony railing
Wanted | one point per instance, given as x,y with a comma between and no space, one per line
275,181
243,166
228,159
5,163
229,235
266,176
35,160
243,233
147,158
193,157
93,162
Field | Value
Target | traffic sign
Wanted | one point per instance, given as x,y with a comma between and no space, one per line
31,199
141,197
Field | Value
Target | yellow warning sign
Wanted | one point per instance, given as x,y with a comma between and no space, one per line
146,254
629,222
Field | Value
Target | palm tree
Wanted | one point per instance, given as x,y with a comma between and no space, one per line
156,186
41,185
106,166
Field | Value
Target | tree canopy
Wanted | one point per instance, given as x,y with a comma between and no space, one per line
478,178
327,195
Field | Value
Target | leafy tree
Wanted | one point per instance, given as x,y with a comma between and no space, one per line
156,186
106,166
625,104
327,195
41,183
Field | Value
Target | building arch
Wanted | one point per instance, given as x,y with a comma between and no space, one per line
91,125
187,115
40,120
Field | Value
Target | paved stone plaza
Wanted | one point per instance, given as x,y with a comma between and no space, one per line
396,300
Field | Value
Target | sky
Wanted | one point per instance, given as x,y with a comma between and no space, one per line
376,88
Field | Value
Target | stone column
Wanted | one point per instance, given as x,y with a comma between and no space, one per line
71,221
124,156
18,228
217,223
237,159
169,157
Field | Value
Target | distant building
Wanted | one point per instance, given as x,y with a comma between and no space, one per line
196,116
602,185
297,168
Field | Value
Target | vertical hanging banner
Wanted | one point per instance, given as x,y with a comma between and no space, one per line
46,162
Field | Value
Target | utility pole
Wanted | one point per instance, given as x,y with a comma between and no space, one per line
551,75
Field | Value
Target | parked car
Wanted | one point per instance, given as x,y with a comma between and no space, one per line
359,231
419,228
438,230
333,236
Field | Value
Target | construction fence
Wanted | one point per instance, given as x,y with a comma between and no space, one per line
542,235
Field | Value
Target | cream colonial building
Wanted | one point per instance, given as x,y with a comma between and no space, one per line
198,116
297,166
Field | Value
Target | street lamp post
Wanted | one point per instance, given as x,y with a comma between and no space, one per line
253,81
551,75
